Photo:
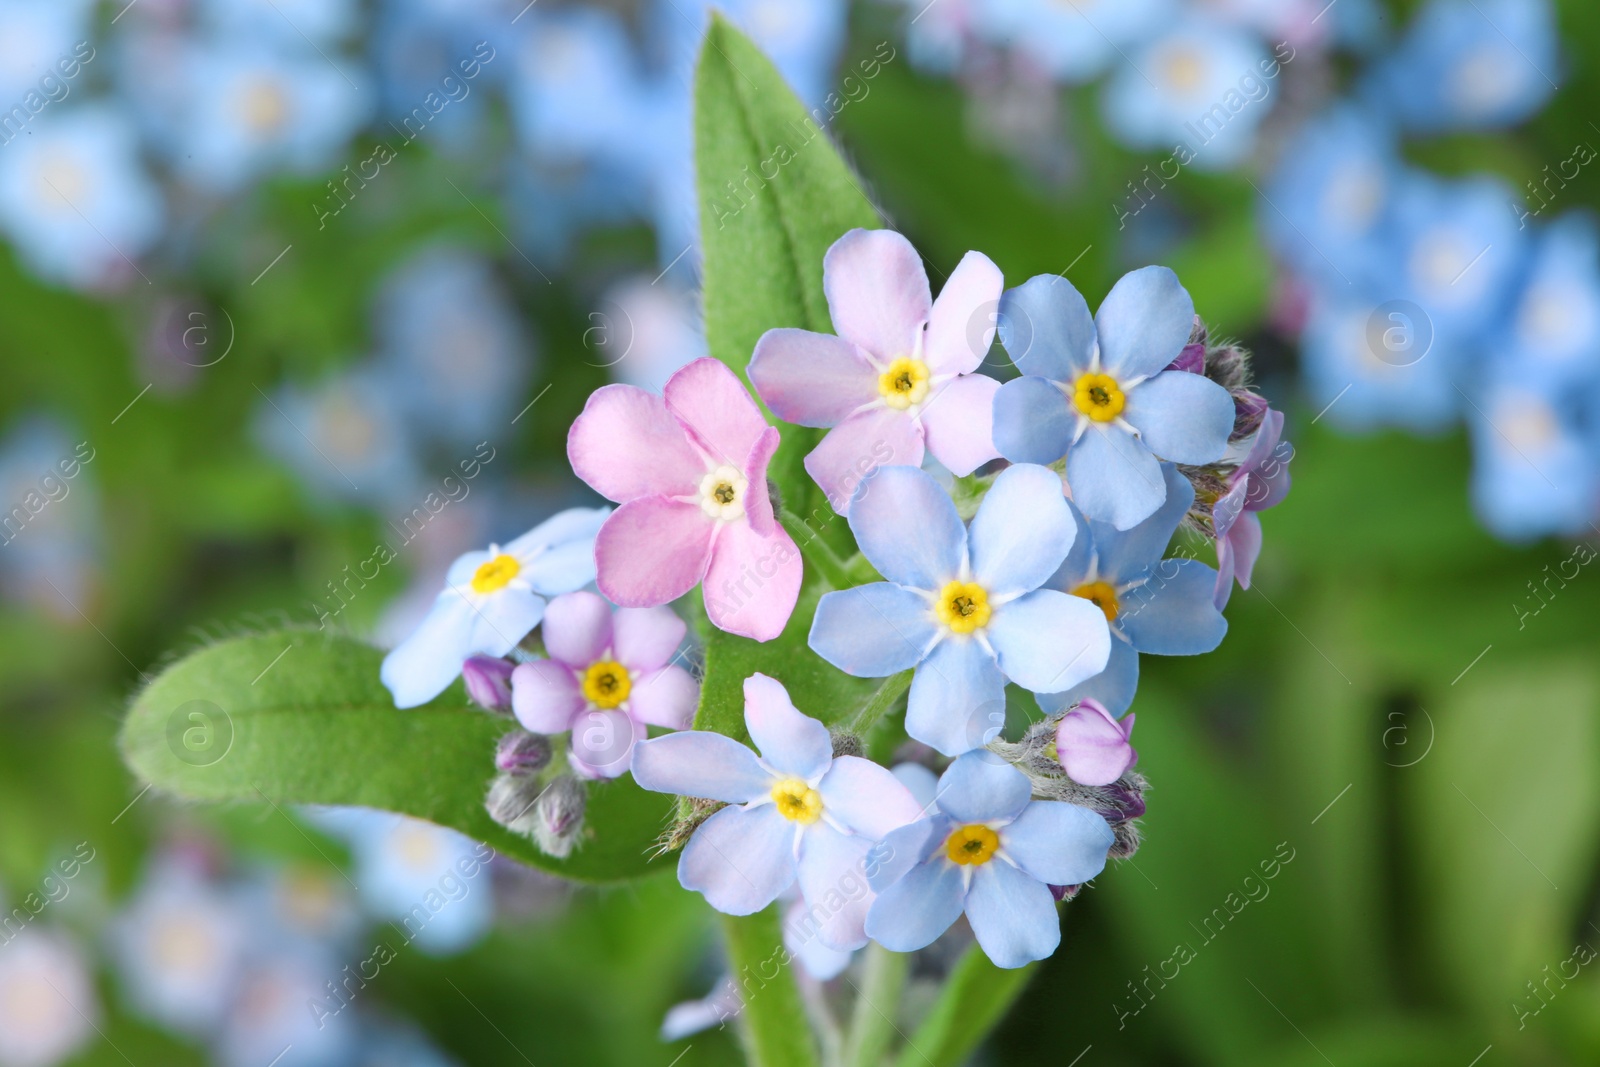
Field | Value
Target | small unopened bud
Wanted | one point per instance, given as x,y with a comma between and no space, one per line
846,743
1064,892
488,681
1248,410
1191,359
521,753
558,816
511,802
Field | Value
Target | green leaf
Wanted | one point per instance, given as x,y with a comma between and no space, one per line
776,1031
975,997
297,717
773,196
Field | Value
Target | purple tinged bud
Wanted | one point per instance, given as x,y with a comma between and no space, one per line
1192,359
488,681
1092,745
558,816
521,753
1064,892
1248,411
1124,804
511,802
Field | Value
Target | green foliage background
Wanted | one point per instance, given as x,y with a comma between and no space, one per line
1378,709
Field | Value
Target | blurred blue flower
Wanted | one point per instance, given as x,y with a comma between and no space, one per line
74,198
1553,329
273,1010
33,36
345,437
1329,202
49,520
294,23
1469,64
1074,42
644,332
1200,85
1536,459
416,45
48,1004
1153,605
450,340
1366,368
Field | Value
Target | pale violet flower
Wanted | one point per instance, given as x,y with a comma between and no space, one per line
609,677
899,377
491,600
795,813
990,851
963,606
1261,481
1097,390
48,1004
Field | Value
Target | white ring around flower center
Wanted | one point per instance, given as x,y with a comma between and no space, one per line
722,493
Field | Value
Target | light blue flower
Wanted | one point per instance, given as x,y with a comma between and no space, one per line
1199,84
33,36
491,600
292,23
1536,458
803,40
1368,367
1470,64
282,999
451,341
989,851
1073,42
1328,204
247,110
431,46
50,528
432,883
963,606
74,198
1153,605
1553,329
796,813
344,437
1096,390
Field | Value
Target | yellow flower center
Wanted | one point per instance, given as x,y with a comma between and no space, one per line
963,607
905,383
606,684
495,575
1099,397
797,801
972,845
1101,595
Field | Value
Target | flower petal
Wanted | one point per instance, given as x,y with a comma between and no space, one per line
958,424
502,619
799,937
867,798
958,698
626,445
603,741
1058,843
872,631
1173,613
859,445
908,528
665,697
561,568
574,525
424,664
1013,916
740,859
961,326
903,849
700,763
709,399
1048,641
877,292
914,911
790,741
1022,532
1033,421
1113,687
831,868
1093,748
1124,555
811,379
577,629
1143,323
1046,328
753,581
1244,545
1114,478
651,551
1182,417
545,696
982,787
644,638
757,501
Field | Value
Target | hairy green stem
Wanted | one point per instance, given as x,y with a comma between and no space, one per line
816,551
872,1023
880,702
975,998
776,1029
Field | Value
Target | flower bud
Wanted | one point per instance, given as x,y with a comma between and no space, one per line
521,753
558,816
1064,892
1249,409
488,681
1092,746
1191,359
846,743
511,802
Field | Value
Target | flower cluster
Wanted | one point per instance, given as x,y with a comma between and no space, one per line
1009,535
